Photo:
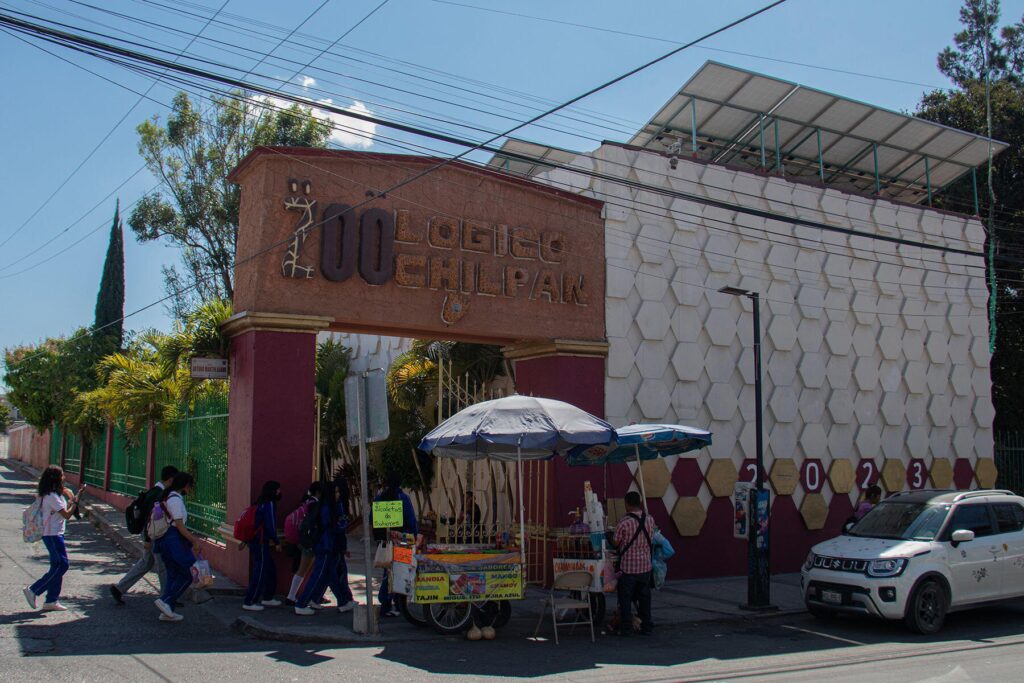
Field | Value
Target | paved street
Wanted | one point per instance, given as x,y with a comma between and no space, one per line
98,640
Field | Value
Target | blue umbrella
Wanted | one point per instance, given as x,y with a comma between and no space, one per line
642,442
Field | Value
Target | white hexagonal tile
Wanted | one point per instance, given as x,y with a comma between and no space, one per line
813,440
618,283
915,375
653,320
653,399
782,441
688,361
865,372
618,397
620,357
913,345
938,378
916,407
890,376
784,404
686,323
984,413
688,286
938,410
782,368
980,353
840,443
809,335
981,381
838,338
782,332
893,409
893,439
721,327
811,301
868,441
864,343
963,442
890,343
960,380
651,283
653,241
652,360
840,406
917,442
936,346
812,405
719,363
865,407
721,402
812,370
839,371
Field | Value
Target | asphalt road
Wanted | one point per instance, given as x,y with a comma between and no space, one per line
97,640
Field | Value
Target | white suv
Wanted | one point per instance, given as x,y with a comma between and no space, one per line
919,555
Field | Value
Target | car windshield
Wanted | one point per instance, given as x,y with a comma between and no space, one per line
903,521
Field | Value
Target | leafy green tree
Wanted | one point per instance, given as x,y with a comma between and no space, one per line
5,417
196,208
965,107
332,365
110,299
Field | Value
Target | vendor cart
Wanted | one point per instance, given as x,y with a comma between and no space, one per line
475,574
583,546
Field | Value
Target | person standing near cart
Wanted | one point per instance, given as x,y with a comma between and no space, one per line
393,491
633,540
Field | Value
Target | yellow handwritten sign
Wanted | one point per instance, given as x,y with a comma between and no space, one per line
387,514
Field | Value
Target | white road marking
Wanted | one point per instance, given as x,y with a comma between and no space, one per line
823,635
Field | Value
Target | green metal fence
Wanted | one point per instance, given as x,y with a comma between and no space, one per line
73,454
127,463
1010,461
96,460
198,444
56,435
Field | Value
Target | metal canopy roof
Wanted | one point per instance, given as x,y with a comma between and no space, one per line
526,169
744,118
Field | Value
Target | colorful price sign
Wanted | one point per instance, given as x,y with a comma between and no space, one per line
387,514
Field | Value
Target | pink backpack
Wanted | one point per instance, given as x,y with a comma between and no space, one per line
293,523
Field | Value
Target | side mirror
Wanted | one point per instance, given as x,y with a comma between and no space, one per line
961,536
846,527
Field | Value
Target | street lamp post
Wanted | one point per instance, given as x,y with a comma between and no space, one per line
758,573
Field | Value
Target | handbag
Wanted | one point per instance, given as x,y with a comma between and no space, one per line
384,555
202,574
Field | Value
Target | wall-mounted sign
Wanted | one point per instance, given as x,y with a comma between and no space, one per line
463,252
209,368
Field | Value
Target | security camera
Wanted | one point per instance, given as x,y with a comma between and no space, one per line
673,162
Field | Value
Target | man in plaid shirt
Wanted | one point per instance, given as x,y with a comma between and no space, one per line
633,540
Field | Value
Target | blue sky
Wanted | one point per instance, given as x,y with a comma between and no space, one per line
55,113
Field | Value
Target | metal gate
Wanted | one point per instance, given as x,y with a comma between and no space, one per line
1010,461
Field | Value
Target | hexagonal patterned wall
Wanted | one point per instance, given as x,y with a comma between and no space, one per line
872,355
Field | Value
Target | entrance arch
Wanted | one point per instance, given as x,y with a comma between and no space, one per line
463,253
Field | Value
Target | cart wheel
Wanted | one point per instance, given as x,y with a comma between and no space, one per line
449,619
493,613
597,605
414,614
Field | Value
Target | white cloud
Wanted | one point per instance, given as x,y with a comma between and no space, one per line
307,81
349,132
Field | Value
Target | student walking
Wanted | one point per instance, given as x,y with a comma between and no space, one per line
339,551
263,572
174,545
54,507
324,573
148,559
302,558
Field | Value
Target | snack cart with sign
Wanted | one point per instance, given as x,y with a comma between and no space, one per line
473,572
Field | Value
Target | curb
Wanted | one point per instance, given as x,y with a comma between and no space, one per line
255,629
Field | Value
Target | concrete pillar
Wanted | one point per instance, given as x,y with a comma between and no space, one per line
272,414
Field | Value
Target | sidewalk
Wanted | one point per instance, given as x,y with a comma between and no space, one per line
678,602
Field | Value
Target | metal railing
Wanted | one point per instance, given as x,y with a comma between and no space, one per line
1010,461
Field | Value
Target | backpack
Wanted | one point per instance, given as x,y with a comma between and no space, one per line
293,523
245,526
312,528
137,513
160,521
32,522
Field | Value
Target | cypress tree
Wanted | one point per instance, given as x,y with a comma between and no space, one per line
110,299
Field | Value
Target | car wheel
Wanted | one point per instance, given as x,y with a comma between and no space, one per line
926,611
821,612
